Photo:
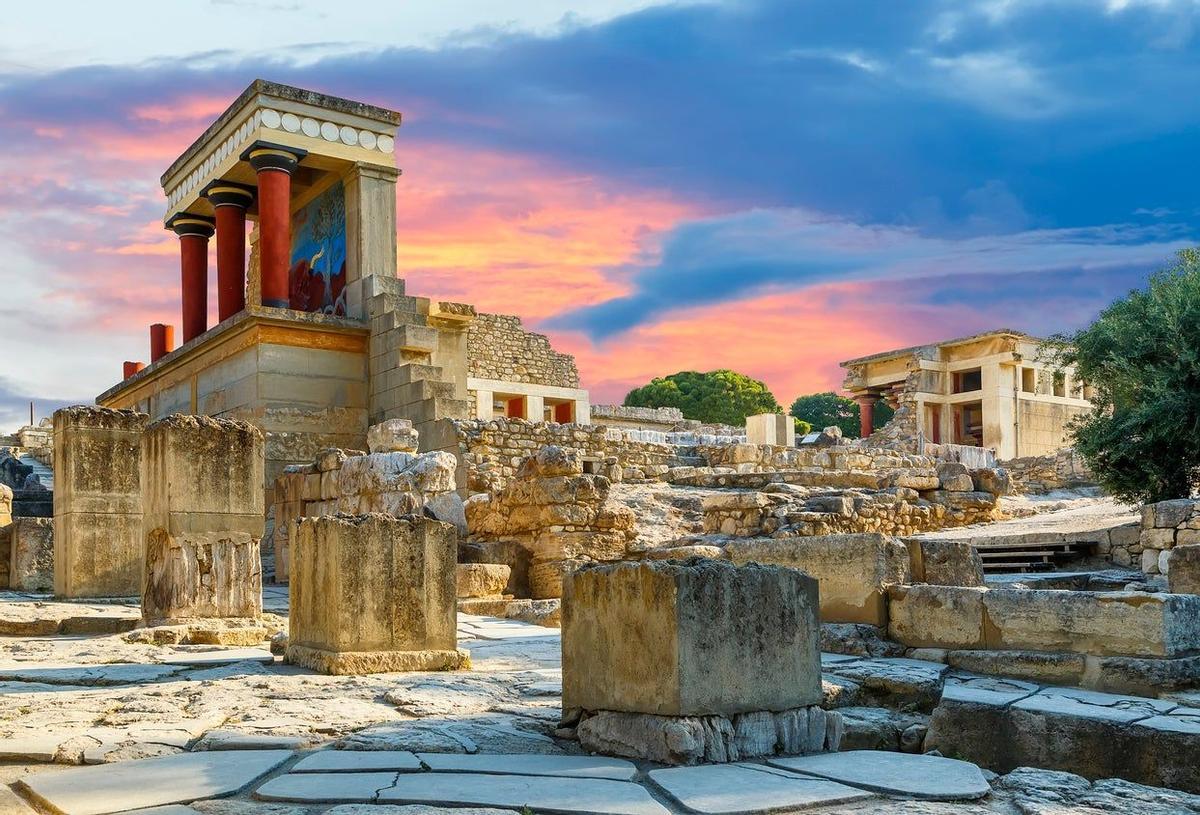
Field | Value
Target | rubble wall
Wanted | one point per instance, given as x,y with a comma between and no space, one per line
499,348
1038,475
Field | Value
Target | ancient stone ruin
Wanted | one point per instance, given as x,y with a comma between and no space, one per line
351,547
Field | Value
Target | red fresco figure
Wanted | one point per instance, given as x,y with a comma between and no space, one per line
298,286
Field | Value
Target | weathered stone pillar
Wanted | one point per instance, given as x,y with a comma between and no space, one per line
370,230
203,520
97,502
777,429
373,594
866,414
230,201
649,647
162,341
31,566
194,232
274,165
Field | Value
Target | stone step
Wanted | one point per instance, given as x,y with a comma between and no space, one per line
423,390
382,305
439,407
415,372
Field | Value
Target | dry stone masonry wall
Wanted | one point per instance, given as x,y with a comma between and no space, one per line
499,348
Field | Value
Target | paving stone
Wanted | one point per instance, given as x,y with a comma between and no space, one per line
32,746
719,789
326,788
169,809
112,674
1174,723
237,740
1093,705
150,782
567,766
575,796
411,809
917,776
341,761
986,690
221,656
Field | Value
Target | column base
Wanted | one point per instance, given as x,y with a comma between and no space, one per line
341,663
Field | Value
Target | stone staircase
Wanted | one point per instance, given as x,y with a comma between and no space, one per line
405,381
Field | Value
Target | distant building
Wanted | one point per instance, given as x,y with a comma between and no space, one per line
987,390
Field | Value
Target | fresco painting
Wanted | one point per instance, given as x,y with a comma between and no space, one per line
317,275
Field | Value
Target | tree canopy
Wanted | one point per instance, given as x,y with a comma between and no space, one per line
1141,356
724,396
822,410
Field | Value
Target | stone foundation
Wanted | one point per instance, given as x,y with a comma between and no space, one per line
97,502
203,520
1165,525
711,739
373,593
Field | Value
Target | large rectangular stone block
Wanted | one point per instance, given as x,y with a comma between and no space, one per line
854,570
203,519
373,593
97,502
690,638
930,616
31,567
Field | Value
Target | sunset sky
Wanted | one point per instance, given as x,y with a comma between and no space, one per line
767,186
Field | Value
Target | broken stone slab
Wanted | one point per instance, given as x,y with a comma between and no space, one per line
372,594
109,788
326,788
731,789
649,638
931,778
854,570
518,764
895,682
344,761
584,796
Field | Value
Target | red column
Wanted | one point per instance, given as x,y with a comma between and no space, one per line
866,414
162,341
194,232
274,165
230,202
131,368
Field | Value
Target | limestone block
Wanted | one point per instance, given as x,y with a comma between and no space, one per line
1157,538
1098,623
1183,576
1150,560
31,566
1170,514
954,477
377,473
995,480
201,575
481,579
330,460
689,638
551,460
373,593
97,502
945,562
392,436
854,570
930,616
6,500
203,519
448,507
775,429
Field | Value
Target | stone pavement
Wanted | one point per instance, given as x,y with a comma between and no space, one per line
276,737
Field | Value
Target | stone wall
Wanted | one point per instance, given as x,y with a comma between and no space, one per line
557,516
1038,475
492,451
1165,525
845,466
499,348
664,419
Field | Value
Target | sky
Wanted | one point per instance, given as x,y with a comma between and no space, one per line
772,186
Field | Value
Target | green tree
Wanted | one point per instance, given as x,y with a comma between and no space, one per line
822,410
1141,356
724,397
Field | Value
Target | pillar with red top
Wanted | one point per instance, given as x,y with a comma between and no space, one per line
162,341
230,201
866,413
194,232
131,368
274,165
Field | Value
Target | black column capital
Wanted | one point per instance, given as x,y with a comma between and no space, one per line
228,193
265,155
186,223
